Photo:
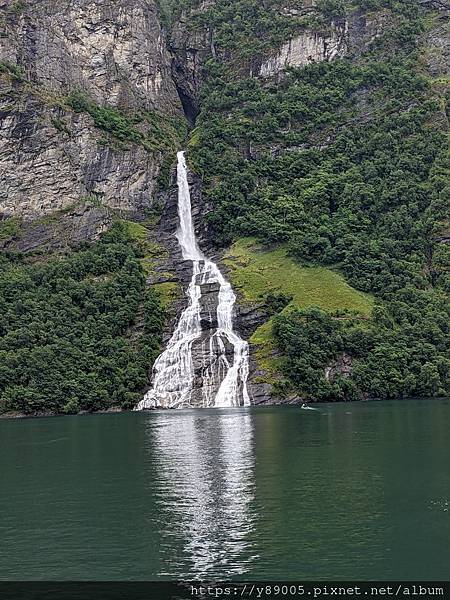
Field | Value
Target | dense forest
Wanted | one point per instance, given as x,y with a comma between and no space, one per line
77,333
340,166
344,162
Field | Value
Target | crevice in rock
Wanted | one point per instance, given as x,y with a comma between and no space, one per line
188,102
190,109
188,57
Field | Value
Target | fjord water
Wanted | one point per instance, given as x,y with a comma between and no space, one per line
173,373
358,491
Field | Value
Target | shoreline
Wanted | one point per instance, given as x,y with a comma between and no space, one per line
12,415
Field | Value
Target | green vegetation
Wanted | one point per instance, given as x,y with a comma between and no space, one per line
70,339
246,28
168,292
258,273
9,228
137,231
14,71
15,8
401,352
152,256
154,131
272,277
345,164
60,125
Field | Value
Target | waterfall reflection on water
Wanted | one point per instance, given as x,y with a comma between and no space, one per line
205,489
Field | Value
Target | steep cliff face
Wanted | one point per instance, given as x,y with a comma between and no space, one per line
190,50
114,50
94,95
306,48
114,54
351,34
52,158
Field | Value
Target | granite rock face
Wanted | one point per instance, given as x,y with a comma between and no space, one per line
114,52
306,48
189,51
51,159
342,366
438,44
349,35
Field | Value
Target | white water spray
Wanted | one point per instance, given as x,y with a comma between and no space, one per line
173,372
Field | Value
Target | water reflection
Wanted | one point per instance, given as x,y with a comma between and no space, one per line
204,490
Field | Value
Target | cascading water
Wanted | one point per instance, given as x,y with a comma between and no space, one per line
173,373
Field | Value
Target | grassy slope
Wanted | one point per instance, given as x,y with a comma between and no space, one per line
255,272
153,256
9,228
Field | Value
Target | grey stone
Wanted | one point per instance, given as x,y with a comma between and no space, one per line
114,50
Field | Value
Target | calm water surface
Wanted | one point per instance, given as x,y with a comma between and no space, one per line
357,491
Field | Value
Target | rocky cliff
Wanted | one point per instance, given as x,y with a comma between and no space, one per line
114,50
114,54
118,55
95,97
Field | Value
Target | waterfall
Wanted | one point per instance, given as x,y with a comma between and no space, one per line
223,380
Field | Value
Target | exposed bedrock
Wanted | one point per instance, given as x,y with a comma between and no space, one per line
349,35
44,169
246,319
112,51
83,222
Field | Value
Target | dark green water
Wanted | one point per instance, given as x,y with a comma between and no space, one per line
356,491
